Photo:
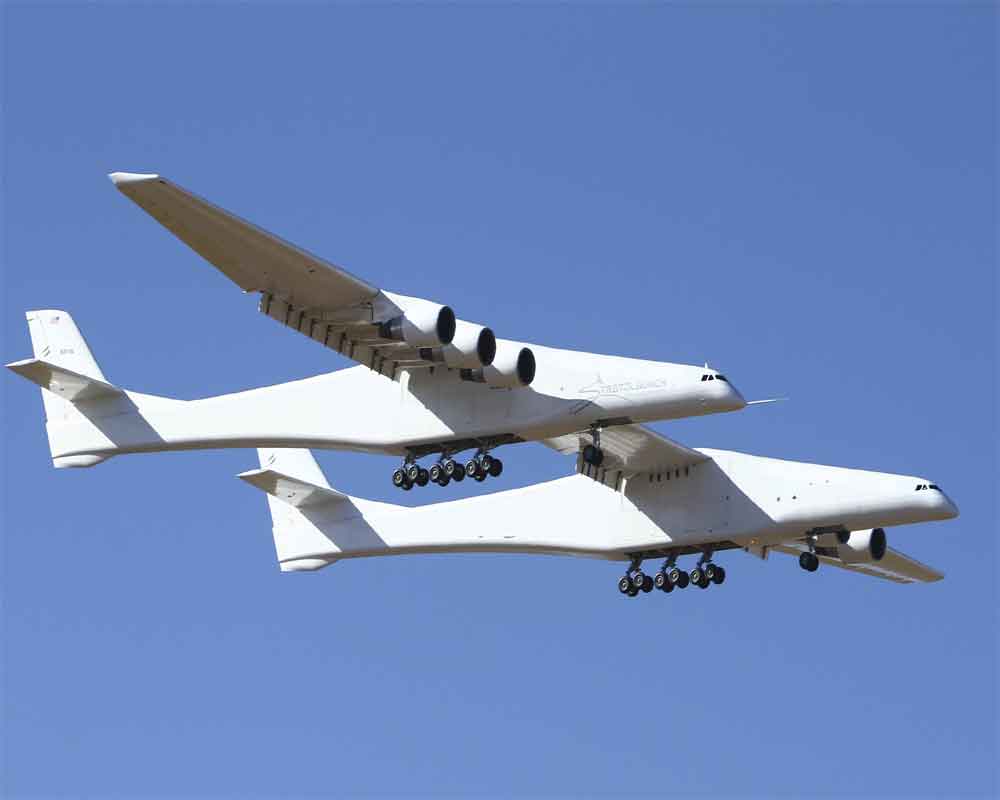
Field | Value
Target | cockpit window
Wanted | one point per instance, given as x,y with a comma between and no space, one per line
934,486
714,377
719,377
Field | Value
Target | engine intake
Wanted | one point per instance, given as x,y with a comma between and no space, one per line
426,325
512,367
861,547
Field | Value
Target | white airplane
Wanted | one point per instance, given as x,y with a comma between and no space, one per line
651,499
427,383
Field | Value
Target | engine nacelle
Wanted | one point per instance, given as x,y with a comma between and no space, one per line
423,324
472,347
512,367
861,547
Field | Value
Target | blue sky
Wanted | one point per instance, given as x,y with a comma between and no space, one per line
804,196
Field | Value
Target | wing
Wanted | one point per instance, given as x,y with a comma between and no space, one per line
628,450
893,566
381,330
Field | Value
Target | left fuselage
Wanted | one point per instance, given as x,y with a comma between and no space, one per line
357,409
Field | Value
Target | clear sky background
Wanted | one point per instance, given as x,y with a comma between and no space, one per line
803,196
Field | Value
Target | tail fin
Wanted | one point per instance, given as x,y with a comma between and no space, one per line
299,498
68,374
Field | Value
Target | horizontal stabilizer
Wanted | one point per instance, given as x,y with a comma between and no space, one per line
64,382
294,491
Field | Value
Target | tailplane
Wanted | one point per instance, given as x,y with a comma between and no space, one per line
313,524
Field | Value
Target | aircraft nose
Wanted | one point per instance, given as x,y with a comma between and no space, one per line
948,508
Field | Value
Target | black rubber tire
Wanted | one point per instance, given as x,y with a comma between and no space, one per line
704,583
436,472
632,592
449,466
668,587
809,562
422,477
444,480
660,580
674,575
398,478
647,584
624,584
496,468
637,579
407,486
720,576
685,579
484,462
472,468
412,471
459,475
480,477
696,576
709,570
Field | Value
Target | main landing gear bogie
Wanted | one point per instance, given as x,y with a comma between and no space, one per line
670,577
446,470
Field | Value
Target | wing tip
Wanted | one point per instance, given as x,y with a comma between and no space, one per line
121,179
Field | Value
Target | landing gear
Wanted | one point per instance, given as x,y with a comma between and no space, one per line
670,576
809,562
446,470
592,453
483,465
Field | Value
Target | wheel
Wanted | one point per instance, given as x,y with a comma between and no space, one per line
480,477
720,576
496,467
668,587
412,472
593,455
674,575
624,584
458,475
436,472
704,583
660,580
444,480
422,477
637,579
696,576
709,571
449,466
809,562
632,591
471,467
407,485
485,462
398,478
683,580
647,584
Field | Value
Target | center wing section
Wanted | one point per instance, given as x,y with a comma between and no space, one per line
628,450
381,330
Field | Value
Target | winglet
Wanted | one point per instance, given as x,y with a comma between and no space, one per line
120,179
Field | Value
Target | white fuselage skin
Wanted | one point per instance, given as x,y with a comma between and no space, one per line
357,409
733,497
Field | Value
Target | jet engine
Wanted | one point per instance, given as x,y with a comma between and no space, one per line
472,347
424,324
861,547
512,367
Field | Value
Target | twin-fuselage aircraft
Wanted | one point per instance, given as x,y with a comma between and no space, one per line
431,387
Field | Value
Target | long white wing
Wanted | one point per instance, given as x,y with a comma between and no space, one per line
893,566
300,290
